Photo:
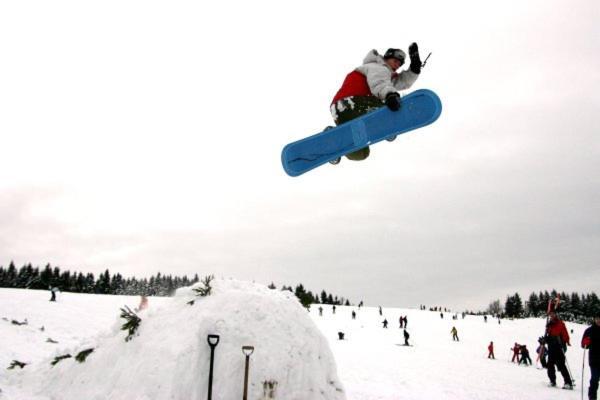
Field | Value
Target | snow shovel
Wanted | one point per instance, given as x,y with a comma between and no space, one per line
247,350
213,341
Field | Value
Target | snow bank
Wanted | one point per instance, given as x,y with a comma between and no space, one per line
170,356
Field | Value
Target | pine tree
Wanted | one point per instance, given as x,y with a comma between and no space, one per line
532,305
518,304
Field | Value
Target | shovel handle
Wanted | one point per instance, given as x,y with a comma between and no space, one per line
213,340
247,350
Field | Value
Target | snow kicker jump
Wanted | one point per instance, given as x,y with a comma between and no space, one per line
419,108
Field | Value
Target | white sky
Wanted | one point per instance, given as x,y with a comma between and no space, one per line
143,135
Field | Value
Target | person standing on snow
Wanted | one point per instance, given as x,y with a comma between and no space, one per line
454,333
385,323
53,291
525,356
557,338
491,351
542,352
373,85
591,341
515,351
406,336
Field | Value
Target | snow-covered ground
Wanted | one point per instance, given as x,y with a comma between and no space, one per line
371,362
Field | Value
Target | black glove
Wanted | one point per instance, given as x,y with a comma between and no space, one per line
415,59
392,100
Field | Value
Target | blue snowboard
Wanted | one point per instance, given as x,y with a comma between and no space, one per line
419,108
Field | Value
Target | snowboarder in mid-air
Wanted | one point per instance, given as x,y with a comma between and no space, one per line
557,338
373,85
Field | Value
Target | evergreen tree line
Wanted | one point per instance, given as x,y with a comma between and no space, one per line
307,297
573,307
28,277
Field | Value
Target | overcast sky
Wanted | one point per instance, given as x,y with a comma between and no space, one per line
145,136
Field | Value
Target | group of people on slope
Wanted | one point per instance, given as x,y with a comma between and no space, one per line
557,338
553,357
521,354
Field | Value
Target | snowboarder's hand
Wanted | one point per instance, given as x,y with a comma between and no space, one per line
392,100
586,341
415,59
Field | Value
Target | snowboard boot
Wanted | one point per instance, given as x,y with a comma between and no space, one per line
568,386
391,138
335,161
552,384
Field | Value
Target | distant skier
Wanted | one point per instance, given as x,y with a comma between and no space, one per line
442,315
401,322
380,311
516,349
385,323
524,356
491,351
542,352
406,336
340,335
320,311
557,338
360,304
454,333
373,85
53,291
591,341
333,308
405,324
484,318
353,314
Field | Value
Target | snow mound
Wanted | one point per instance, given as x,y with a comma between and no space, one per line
170,356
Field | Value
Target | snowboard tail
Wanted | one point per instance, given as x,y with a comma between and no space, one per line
418,109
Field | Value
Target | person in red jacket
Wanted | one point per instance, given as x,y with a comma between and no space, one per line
491,351
515,351
557,338
373,85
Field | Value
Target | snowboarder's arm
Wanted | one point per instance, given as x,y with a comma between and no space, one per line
378,79
405,79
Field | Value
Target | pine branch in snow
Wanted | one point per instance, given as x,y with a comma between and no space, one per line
58,359
132,322
17,363
206,289
82,355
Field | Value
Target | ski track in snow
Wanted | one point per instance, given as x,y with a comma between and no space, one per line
370,364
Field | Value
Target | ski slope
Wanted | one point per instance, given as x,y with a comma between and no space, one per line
371,362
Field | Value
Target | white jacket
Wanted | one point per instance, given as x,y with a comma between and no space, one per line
380,77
